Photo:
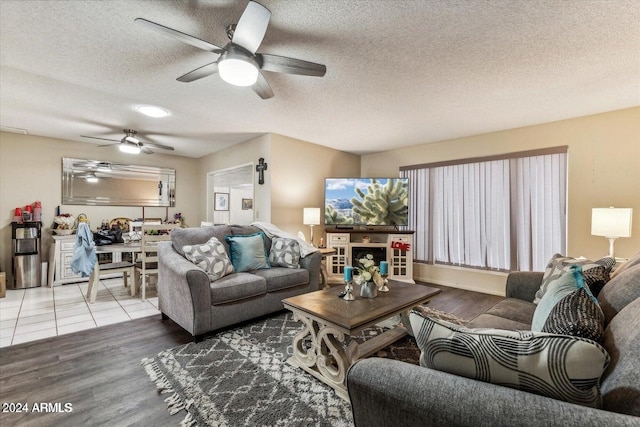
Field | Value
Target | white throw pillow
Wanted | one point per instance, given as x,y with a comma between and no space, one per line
558,366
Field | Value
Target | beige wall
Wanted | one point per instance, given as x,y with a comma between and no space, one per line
238,155
604,170
31,169
298,170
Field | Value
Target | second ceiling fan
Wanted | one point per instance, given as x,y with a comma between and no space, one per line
237,62
130,144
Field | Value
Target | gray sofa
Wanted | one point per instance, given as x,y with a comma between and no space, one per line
386,392
188,296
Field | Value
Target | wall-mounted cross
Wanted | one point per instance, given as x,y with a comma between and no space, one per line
260,168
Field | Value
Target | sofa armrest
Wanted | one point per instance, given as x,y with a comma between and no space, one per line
312,263
184,293
384,391
523,284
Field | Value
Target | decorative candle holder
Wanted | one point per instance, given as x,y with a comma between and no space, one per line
385,280
348,291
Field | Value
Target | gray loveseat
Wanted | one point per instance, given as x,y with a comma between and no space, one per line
386,392
188,296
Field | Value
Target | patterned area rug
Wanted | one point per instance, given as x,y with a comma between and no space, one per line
240,377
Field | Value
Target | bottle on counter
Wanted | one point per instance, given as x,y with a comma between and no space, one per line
37,211
27,213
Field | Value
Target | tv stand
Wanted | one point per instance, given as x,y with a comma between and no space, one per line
393,246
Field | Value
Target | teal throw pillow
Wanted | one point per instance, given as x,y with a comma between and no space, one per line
247,253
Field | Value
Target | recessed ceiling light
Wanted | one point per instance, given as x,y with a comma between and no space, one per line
152,111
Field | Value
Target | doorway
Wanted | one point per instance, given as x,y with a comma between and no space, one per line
230,195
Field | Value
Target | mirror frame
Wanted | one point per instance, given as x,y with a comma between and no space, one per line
72,168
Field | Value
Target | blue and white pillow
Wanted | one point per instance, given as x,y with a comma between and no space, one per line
558,265
211,257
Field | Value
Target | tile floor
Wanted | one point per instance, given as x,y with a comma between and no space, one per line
42,312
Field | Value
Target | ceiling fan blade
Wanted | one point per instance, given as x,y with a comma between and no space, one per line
185,38
108,145
158,146
262,88
199,73
104,139
146,150
283,64
251,27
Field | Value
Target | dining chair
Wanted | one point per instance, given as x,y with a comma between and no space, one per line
147,265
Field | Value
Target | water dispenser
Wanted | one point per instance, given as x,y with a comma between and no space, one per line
26,245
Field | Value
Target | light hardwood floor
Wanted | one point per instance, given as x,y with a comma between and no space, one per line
98,371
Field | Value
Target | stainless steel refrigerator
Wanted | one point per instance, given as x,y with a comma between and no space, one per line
26,245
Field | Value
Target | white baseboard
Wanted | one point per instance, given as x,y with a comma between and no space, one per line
460,286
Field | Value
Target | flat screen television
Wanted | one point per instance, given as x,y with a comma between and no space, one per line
366,201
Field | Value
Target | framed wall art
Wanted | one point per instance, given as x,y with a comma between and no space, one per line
220,201
247,204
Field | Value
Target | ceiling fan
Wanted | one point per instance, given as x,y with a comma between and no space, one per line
130,144
237,62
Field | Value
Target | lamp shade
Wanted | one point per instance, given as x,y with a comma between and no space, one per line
311,216
611,222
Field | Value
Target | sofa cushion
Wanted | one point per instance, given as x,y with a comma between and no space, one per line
559,264
558,366
247,253
181,237
621,381
631,262
283,278
619,292
284,253
514,309
486,320
576,314
211,257
236,287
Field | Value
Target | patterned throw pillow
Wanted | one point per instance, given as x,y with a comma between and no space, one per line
284,253
577,315
595,278
558,366
211,257
558,265
247,252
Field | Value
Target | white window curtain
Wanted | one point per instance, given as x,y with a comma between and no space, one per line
497,213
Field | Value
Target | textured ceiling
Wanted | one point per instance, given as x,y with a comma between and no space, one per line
399,73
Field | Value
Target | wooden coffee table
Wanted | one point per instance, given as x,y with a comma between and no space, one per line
325,347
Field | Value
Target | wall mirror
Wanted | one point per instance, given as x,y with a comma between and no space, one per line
102,183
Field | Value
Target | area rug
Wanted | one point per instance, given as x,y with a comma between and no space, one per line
240,377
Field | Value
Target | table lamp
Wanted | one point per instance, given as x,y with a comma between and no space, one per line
311,217
611,223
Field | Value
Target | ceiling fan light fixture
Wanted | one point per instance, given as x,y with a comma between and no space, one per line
238,70
131,139
129,147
